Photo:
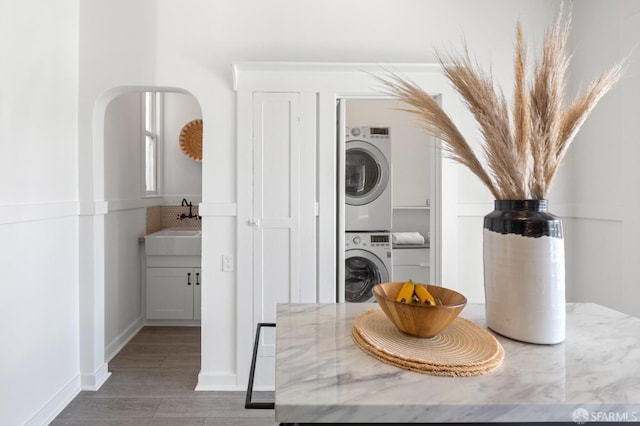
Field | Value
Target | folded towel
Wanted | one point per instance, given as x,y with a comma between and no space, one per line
407,238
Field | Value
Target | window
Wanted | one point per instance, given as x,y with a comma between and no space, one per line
152,126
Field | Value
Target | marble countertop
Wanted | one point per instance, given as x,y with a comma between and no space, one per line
322,376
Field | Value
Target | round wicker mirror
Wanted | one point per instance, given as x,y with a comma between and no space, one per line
191,139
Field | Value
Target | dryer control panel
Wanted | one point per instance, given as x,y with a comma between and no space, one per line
368,239
368,132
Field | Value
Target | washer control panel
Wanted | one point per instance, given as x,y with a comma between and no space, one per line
382,240
368,132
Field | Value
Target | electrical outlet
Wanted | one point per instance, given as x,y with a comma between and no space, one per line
227,263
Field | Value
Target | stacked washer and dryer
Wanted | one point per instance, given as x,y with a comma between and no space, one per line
368,211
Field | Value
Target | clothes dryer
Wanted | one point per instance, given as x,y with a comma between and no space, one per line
368,179
368,261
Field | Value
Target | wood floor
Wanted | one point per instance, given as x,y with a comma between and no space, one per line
152,383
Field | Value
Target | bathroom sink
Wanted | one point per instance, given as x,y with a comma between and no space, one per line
174,242
176,232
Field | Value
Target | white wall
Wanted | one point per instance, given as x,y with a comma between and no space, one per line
194,51
38,108
182,177
51,156
39,360
123,148
179,175
125,222
604,255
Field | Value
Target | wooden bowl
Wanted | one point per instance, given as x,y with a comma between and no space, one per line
419,320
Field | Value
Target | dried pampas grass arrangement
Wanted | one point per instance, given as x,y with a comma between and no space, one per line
523,146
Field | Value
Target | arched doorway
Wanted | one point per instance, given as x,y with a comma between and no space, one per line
111,259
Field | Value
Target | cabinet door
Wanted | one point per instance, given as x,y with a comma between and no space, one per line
170,293
197,291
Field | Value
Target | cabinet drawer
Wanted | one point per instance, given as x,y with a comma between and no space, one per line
411,257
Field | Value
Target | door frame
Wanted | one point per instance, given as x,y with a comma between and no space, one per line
91,230
328,82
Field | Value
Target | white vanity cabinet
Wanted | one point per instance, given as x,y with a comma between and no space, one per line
174,286
173,293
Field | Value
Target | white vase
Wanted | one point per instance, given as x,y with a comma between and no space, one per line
524,272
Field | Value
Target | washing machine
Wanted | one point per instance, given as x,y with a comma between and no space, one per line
367,179
368,261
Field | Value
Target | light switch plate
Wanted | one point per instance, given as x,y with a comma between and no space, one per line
227,263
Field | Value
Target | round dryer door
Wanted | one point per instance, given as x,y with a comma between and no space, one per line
362,271
366,173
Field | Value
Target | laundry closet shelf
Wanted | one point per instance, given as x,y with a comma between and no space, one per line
411,246
411,207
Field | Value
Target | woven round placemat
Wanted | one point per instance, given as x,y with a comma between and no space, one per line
191,139
461,349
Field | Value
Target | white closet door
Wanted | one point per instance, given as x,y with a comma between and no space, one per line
276,177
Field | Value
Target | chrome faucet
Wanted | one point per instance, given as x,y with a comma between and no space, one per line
182,216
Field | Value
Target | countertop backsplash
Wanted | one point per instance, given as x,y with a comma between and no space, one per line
162,217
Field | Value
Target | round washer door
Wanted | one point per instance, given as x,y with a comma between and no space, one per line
366,172
362,271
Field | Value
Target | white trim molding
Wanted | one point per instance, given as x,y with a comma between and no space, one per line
318,76
93,382
218,382
123,338
56,404
93,208
596,211
30,212
133,203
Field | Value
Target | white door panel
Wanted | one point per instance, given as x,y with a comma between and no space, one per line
276,206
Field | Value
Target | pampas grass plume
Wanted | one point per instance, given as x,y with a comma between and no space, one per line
524,145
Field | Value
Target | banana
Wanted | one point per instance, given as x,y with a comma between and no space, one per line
406,292
424,296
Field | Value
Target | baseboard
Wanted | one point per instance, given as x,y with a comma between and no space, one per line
94,381
218,382
123,338
173,323
56,404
